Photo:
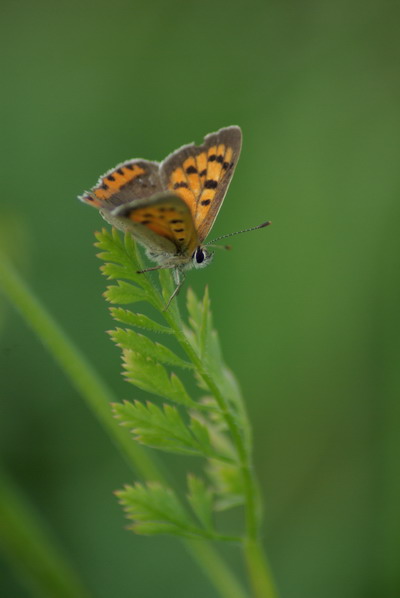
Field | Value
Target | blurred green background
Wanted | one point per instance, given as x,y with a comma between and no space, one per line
308,310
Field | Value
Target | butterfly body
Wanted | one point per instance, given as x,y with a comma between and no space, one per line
171,206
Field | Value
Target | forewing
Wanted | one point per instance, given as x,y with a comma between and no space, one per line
162,221
131,180
200,175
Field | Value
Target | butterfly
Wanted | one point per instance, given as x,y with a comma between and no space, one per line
169,207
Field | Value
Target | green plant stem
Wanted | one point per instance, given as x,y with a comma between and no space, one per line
30,549
257,564
260,574
99,398
216,570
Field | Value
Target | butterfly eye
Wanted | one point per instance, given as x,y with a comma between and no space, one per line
199,255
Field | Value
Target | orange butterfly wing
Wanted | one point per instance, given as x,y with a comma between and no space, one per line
167,216
200,175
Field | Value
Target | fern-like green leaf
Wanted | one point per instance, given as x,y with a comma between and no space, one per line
200,321
120,263
131,251
205,339
200,432
165,429
150,375
194,309
167,288
227,484
113,249
139,320
125,293
155,509
205,325
131,340
116,271
158,428
201,332
212,421
208,429
201,500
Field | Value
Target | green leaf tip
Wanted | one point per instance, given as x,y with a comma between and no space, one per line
126,316
155,509
130,340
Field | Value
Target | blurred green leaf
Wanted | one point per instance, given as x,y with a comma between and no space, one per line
201,500
194,308
227,483
200,322
205,325
212,419
201,434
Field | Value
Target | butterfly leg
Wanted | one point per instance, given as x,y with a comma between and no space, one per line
179,278
151,269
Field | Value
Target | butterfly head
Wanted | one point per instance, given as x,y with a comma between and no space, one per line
201,257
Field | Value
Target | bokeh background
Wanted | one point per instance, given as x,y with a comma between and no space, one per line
308,310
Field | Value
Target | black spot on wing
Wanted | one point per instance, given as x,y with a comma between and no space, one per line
191,170
211,184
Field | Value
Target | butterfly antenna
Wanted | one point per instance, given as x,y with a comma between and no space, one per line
246,230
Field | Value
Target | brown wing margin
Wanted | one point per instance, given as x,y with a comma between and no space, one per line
201,174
